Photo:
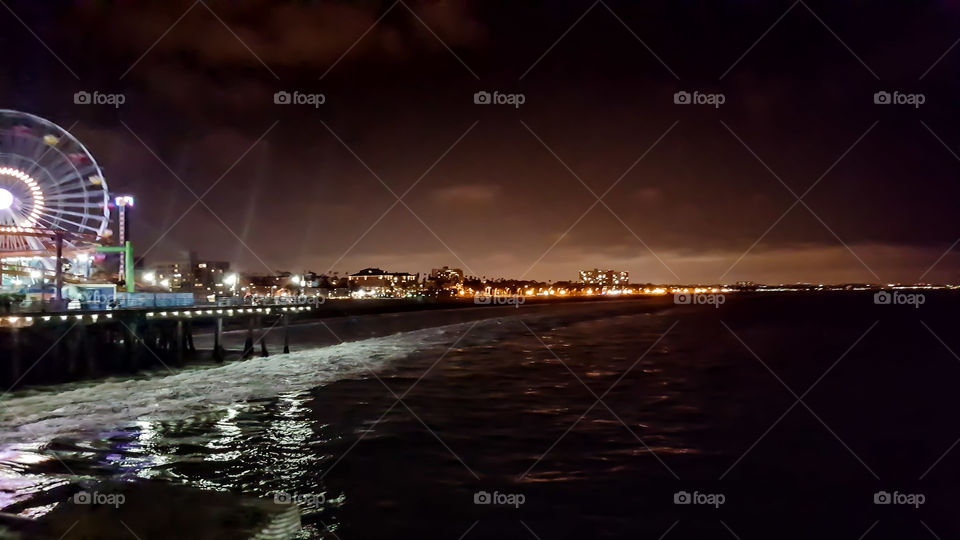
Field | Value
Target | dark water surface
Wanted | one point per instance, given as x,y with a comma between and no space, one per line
794,408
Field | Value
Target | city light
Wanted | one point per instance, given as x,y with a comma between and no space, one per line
230,279
150,277
123,200
35,192
6,199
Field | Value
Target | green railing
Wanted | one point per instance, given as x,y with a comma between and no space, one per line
127,250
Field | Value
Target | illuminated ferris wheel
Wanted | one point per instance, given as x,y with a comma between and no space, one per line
48,182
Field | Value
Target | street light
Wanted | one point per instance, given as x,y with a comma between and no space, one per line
231,281
150,277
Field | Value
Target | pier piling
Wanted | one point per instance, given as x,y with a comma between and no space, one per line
263,338
61,346
248,344
16,359
217,340
179,341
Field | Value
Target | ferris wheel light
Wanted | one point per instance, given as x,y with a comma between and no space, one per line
47,179
6,197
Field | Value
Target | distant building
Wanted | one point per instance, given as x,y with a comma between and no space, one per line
377,282
208,274
265,285
604,278
171,275
446,277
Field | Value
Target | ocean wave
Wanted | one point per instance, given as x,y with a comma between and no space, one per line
39,417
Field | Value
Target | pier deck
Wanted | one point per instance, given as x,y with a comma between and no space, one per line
53,347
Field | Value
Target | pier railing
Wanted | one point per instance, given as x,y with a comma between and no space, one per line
156,302
48,347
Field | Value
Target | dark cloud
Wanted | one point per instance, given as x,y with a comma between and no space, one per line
280,34
718,184
466,194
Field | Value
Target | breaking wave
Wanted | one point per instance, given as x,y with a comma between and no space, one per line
41,416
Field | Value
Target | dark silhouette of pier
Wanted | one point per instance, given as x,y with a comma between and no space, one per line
56,347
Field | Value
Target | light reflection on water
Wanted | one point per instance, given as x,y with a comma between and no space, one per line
289,443
16,482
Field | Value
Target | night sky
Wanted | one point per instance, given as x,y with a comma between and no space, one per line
512,191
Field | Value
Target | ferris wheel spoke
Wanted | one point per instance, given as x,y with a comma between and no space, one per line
70,190
62,165
40,149
60,219
49,223
38,170
70,197
27,150
61,211
20,216
70,177
91,206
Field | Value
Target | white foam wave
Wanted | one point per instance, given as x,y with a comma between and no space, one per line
41,417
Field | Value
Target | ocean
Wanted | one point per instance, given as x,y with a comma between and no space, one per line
772,415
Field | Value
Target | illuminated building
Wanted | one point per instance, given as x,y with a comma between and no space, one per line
208,274
604,278
169,274
446,277
377,282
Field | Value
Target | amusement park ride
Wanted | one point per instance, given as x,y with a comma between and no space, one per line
54,208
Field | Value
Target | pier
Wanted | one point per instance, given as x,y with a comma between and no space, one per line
56,347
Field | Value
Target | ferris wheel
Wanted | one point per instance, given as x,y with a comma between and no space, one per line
48,182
